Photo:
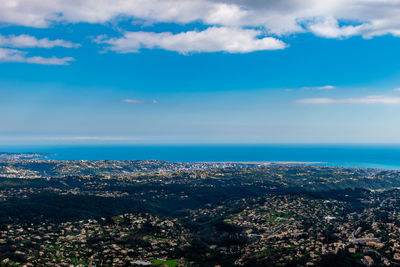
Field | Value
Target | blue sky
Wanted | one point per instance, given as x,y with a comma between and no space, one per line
199,72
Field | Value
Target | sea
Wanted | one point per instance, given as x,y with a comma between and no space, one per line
361,155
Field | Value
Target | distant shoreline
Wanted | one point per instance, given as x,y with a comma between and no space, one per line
265,162
375,157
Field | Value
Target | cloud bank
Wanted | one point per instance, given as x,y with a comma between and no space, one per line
360,100
367,18
233,26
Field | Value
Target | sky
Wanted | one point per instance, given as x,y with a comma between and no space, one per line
197,71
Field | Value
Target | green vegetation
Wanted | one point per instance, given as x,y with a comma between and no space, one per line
208,217
170,263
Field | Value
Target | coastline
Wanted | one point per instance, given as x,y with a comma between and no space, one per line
356,156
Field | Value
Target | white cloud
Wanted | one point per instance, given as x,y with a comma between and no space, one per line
360,100
86,138
320,88
27,41
316,101
132,101
41,13
234,26
326,87
49,60
135,101
213,39
396,89
66,138
13,55
328,27
367,17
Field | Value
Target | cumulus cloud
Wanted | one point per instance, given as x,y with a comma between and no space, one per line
360,100
13,55
234,26
28,41
213,39
49,60
329,27
41,13
328,18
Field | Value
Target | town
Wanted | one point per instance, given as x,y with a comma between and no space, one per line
216,215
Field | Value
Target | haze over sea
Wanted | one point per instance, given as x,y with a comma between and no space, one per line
361,155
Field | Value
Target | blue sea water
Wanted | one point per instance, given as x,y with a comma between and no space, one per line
367,156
